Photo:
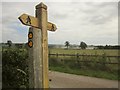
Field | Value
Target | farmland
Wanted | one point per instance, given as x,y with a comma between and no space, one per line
87,52
15,62
66,60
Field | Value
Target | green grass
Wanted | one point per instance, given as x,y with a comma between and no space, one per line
88,52
68,64
91,73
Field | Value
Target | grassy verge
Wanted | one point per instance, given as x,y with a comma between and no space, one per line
91,73
92,69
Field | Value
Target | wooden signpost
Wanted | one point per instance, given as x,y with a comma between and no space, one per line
38,46
33,21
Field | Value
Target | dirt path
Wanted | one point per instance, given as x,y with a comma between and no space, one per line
63,80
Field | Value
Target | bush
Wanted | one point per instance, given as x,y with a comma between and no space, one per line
15,68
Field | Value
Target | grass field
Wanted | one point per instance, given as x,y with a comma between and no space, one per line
87,52
71,64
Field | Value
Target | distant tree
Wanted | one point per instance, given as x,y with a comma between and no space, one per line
67,44
9,42
106,47
83,45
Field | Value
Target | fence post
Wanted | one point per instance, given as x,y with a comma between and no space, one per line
57,54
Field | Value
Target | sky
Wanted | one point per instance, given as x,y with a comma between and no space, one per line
95,23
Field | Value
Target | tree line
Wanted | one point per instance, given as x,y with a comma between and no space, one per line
108,47
82,45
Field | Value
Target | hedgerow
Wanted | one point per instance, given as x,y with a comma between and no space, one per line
14,68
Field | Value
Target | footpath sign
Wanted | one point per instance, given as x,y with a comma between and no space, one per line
32,21
38,46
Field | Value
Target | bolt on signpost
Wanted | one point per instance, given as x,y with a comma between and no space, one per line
38,46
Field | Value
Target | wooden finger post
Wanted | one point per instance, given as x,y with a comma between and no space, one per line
38,46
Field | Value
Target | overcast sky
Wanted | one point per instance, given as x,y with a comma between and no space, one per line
95,23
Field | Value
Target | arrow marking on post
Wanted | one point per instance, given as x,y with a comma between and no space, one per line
33,21
28,20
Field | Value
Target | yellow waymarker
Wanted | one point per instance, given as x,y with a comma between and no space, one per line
30,44
30,35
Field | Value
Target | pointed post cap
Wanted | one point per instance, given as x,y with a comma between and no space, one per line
41,5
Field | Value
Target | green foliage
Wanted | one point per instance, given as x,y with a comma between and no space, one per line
83,45
15,68
88,72
9,42
67,44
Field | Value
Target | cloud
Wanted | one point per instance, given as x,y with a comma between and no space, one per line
76,21
13,35
86,21
12,27
0,21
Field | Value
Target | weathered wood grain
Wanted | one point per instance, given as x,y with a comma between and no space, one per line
41,14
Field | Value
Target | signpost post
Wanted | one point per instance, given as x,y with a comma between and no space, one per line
38,46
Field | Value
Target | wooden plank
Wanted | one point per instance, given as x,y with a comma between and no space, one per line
84,55
29,20
33,21
51,26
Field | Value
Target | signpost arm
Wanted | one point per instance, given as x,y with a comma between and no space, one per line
41,14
